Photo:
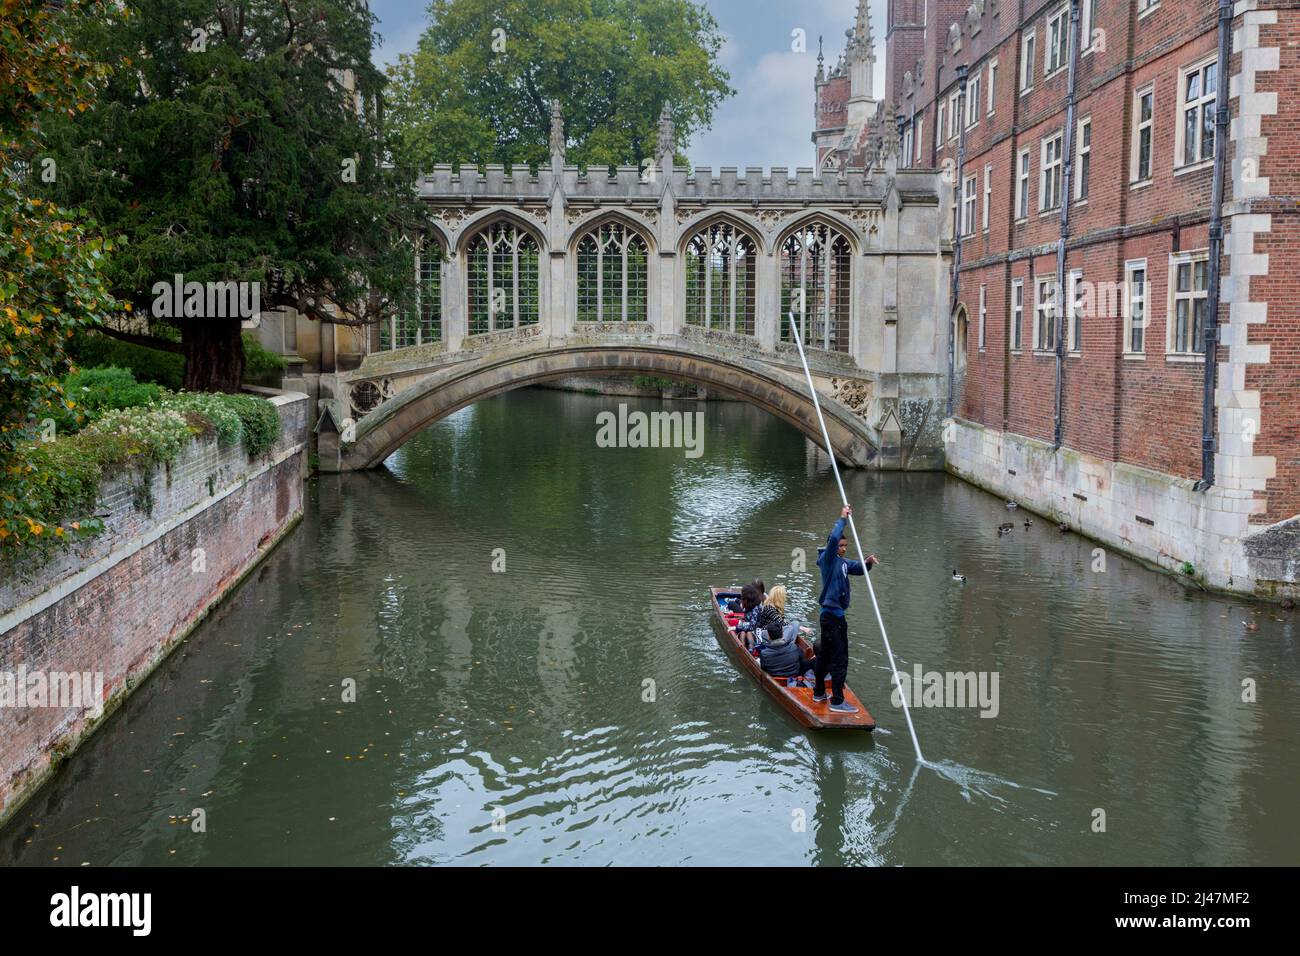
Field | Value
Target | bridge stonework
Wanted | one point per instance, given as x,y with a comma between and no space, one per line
542,275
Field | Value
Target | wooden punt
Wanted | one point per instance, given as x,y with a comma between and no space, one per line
797,700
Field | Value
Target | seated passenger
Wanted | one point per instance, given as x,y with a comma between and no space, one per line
780,655
750,605
773,612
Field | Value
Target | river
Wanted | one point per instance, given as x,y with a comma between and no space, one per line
498,651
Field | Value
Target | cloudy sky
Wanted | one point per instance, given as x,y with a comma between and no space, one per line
769,120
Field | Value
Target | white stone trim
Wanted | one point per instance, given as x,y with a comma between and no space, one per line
1239,409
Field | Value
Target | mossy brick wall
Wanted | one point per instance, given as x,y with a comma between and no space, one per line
121,602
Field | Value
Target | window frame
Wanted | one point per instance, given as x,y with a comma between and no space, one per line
1205,103
984,302
1024,172
1051,172
1139,125
607,237
1028,53
973,99
1044,310
738,303
969,196
1074,312
1189,258
988,197
1131,267
1087,23
1017,316
837,304
1082,160
522,314
1062,47
993,85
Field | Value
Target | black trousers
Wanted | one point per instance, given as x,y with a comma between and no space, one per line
832,656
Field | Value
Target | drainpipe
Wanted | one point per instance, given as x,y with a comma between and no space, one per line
1067,175
962,71
1211,330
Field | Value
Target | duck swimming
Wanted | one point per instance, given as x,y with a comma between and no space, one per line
959,578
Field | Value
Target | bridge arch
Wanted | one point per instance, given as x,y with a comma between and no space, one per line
393,423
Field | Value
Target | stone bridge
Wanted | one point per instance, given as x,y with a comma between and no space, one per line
527,276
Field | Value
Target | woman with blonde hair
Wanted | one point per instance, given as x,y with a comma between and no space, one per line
778,643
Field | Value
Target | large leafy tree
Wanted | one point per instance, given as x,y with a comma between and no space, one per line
478,87
50,260
237,141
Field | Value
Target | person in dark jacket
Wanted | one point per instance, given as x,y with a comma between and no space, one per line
779,655
833,653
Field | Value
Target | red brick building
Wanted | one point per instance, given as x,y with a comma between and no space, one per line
983,89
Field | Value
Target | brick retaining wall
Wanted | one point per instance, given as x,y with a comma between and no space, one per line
119,603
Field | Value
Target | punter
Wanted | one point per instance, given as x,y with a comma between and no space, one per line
833,656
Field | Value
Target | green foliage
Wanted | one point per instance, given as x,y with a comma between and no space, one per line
260,420
64,477
612,64
261,365
51,284
246,418
90,349
652,381
214,408
229,157
1188,568
96,390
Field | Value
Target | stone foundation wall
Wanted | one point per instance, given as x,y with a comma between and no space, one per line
1154,517
117,605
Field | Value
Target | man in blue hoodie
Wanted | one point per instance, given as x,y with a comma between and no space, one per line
833,657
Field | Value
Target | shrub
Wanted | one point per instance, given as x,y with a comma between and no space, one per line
94,391
215,409
155,433
261,365
64,476
147,365
260,419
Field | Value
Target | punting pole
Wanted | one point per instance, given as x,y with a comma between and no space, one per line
817,407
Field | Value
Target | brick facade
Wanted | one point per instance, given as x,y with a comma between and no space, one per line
121,603
1144,213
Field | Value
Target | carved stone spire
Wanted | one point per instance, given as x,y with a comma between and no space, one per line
665,144
861,44
821,60
557,134
889,131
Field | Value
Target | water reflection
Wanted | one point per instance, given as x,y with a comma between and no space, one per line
507,718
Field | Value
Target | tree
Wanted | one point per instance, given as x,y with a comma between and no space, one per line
478,87
50,263
237,142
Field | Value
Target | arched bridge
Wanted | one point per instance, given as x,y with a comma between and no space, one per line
524,277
